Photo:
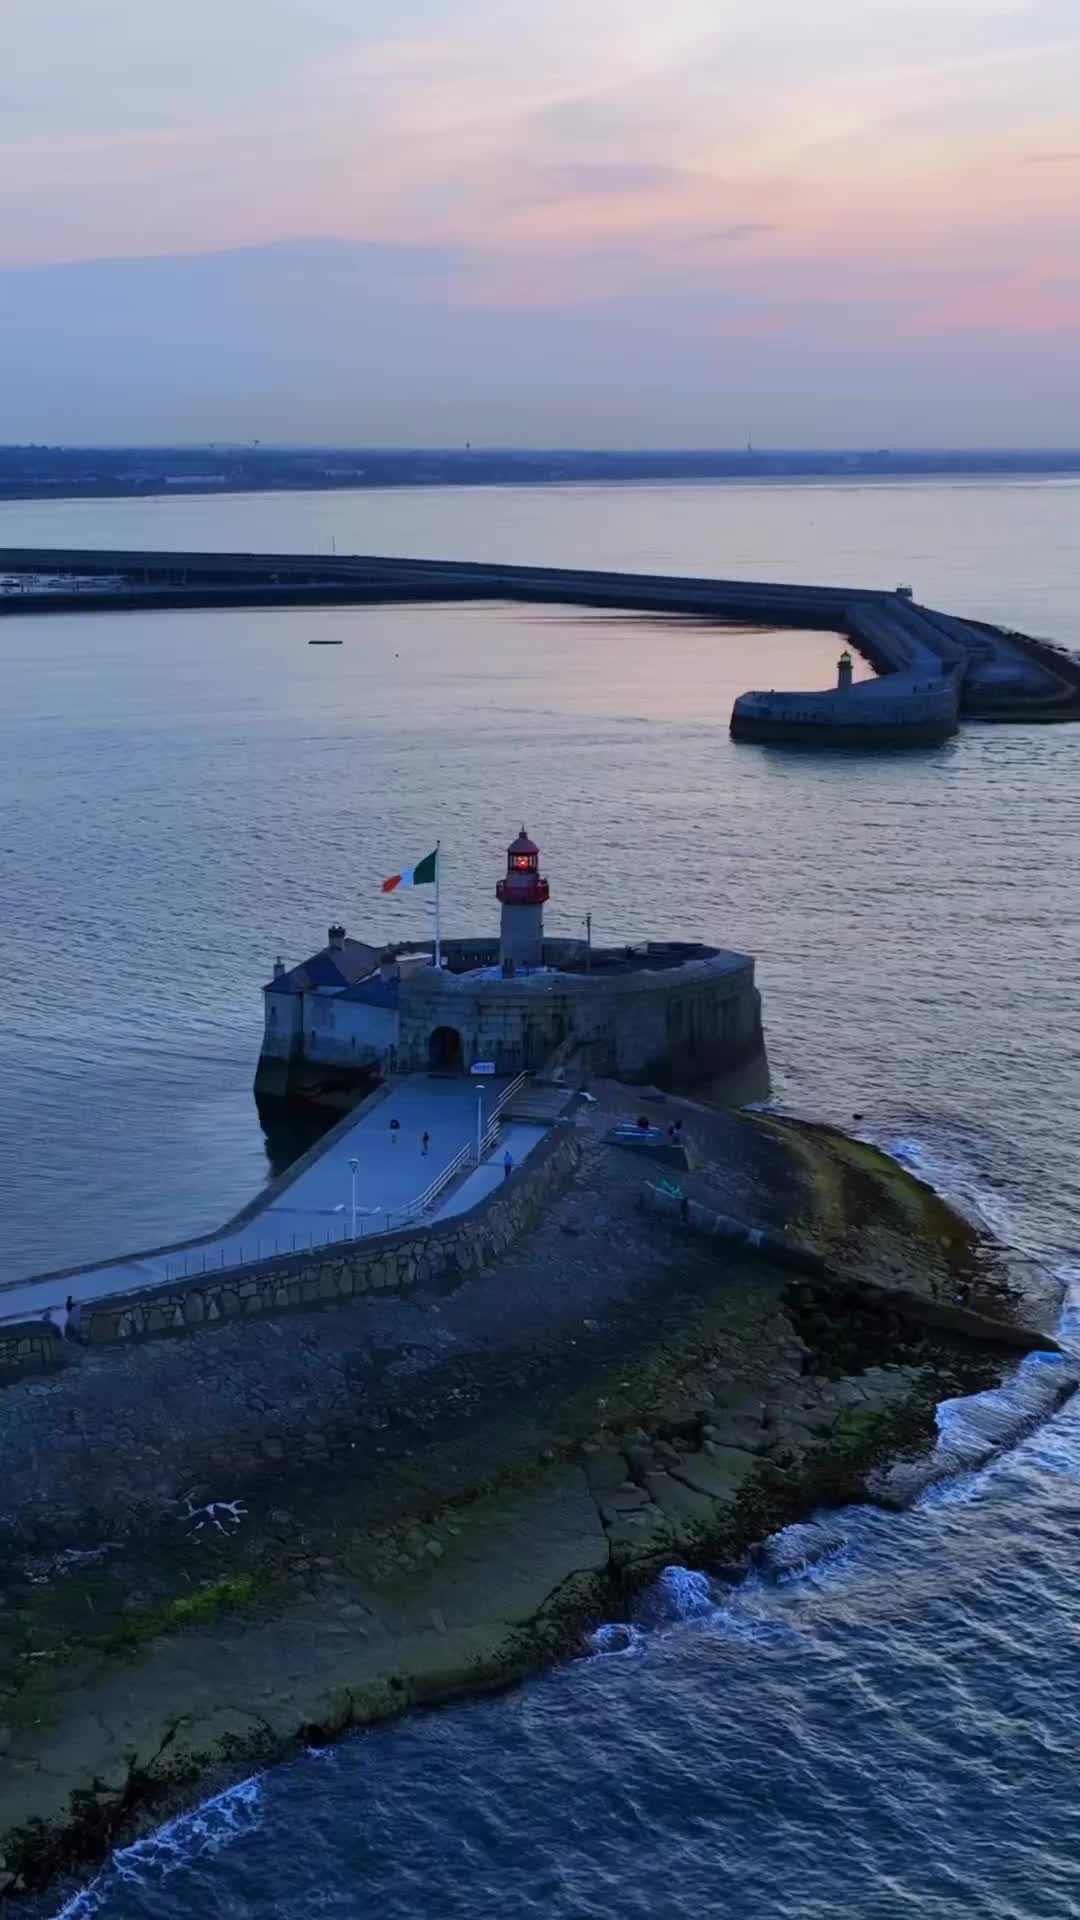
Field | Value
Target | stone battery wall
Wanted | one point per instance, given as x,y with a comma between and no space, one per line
387,1262
668,1026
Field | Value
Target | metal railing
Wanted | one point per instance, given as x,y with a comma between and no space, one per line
190,1263
474,1151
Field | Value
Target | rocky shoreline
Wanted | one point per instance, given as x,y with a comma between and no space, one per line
248,1540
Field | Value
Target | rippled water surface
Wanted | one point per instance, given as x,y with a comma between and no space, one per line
185,795
890,1731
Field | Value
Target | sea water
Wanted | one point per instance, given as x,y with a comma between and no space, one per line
881,1720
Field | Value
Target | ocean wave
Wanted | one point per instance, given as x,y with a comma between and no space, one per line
805,1550
202,1833
616,1639
952,1173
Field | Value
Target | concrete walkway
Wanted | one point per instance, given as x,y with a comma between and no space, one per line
391,1175
518,1138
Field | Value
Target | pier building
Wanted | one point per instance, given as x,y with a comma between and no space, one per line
671,1013
912,709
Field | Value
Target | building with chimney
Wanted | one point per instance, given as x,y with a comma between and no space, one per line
664,1012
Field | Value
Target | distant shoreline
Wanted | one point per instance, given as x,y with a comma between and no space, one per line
74,473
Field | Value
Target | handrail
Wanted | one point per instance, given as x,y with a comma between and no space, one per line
508,1093
187,1259
454,1166
461,1158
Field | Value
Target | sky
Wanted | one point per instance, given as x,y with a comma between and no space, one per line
563,223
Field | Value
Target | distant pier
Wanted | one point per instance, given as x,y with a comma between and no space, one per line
999,675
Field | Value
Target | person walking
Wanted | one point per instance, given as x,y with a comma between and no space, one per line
395,1129
425,1141
508,1164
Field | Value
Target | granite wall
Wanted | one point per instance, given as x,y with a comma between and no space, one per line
669,1027
30,1346
390,1262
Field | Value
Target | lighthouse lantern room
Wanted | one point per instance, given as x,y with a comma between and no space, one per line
522,895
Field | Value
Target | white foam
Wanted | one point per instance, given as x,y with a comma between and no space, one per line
616,1639
952,1178
803,1550
685,1593
203,1832
980,1433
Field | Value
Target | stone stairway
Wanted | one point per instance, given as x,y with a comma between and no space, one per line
539,1103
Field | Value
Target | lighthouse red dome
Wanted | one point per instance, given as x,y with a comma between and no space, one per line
523,885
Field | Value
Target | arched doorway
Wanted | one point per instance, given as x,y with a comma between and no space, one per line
445,1051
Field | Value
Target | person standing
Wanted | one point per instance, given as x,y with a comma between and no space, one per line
508,1164
395,1129
425,1141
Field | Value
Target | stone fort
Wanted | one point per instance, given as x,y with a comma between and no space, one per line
663,1012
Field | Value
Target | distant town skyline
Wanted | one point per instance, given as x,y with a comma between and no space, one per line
598,224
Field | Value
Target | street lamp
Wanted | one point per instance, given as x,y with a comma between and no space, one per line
480,1068
354,1167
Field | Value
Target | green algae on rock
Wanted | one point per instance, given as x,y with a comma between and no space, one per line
475,1476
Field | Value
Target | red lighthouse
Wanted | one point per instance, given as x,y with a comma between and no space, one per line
522,895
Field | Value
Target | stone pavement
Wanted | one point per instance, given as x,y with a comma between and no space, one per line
392,1173
517,1137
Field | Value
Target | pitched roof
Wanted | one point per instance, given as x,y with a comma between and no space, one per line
375,992
340,966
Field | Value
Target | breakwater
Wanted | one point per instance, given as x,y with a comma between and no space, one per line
901,709
429,1252
316,1526
1002,675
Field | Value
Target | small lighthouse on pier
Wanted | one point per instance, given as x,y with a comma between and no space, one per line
522,895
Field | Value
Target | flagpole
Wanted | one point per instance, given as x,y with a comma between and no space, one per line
438,876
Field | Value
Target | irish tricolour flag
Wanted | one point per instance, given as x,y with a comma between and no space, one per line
424,874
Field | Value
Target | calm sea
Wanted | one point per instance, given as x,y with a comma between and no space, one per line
186,795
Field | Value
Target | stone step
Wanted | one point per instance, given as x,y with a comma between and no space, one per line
538,1106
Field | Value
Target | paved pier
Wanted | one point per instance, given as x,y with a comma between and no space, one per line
314,1205
1003,675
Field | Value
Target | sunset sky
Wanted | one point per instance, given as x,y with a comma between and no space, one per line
575,222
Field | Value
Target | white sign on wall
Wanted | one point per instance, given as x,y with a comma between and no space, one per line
482,1066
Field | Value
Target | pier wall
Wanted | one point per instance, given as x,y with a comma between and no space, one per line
900,710
672,1028
425,1254
1005,675
31,1346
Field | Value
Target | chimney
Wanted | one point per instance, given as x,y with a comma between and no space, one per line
279,968
336,936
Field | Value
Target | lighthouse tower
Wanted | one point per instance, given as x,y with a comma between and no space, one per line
522,894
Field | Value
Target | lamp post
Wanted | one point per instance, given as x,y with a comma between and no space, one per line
354,1168
480,1068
